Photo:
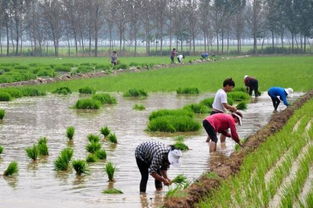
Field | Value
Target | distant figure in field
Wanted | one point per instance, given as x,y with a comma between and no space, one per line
180,58
220,123
173,55
252,84
282,93
205,55
114,58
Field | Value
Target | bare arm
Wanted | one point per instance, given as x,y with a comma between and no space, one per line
229,107
160,178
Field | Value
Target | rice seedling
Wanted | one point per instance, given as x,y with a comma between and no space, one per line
181,146
101,154
70,132
242,141
5,96
93,138
173,124
43,147
135,93
110,170
197,108
1,149
105,131
180,139
112,191
87,104
112,138
32,152
188,90
93,147
139,107
104,98
62,91
32,92
80,166
63,160
176,192
238,96
180,179
241,106
2,114
11,169
166,112
86,90
91,158
208,102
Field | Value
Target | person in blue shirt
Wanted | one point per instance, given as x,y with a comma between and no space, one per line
282,93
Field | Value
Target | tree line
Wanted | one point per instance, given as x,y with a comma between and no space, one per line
82,24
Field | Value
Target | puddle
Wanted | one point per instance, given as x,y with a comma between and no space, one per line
27,119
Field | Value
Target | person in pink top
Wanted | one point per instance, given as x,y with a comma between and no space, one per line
220,123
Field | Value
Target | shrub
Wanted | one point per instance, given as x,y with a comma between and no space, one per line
2,114
139,107
62,162
87,104
42,146
197,108
93,147
93,138
11,169
4,96
238,96
70,132
32,152
86,90
242,106
188,90
173,124
62,91
101,154
135,93
105,131
91,158
112,138
208,102
166,112
32,92
1,149
112,191
80,166
181,146
105,98
110,170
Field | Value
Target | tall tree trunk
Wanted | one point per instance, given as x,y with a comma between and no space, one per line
273,43
8,40
222,41
17,37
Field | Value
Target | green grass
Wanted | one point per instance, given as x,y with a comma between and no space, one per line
63,160
42,146
88,103
285,71
70,132
11,169
112,191
80,166
105,131
32,152
110,170
188,91
112,138
104,98
87,90
2,114
93,147
139,107
62,91
1,149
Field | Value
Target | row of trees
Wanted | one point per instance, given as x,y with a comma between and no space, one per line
83,23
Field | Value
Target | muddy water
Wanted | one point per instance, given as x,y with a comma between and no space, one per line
38,184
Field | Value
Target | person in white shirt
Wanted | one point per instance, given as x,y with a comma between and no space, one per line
180,58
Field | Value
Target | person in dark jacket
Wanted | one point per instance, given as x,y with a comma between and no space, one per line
252,84
282,93
154,158
173,55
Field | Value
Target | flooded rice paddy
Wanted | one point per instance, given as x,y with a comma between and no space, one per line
38,185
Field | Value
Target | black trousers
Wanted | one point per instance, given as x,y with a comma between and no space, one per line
276,102
210,131
143,168
254,86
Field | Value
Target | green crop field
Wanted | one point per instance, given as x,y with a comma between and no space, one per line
284,71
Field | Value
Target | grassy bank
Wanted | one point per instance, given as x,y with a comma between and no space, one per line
285,71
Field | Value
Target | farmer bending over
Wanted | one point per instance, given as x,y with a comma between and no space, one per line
114,58
220,123
252,84
180,58
154,158
173,55
282,93
205,55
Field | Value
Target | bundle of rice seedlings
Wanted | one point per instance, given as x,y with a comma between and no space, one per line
11,169
87,90
1,149
32,152
70,132
139,107
80,166
110,170
93,138
181,146
105,131
179,179
112,138
42,146
242,106
112,191
62,162
2,114
91,158
101,154
93,147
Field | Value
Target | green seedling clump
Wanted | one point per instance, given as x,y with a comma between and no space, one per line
91,158
70,132
197,108
139,107
43,147
188,90
87,90
63,160
11,169
87,104
101,154
104,98
2,114
1,149
80,166
112,191
173,124
238,96
112,138
208,102
5,96
166,112
62,91
105,131
93,138
93,147
32,92
32,152
135,93
242,141
180,179
242,106
110,170
181,146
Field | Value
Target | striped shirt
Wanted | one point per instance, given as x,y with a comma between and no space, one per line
154,154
